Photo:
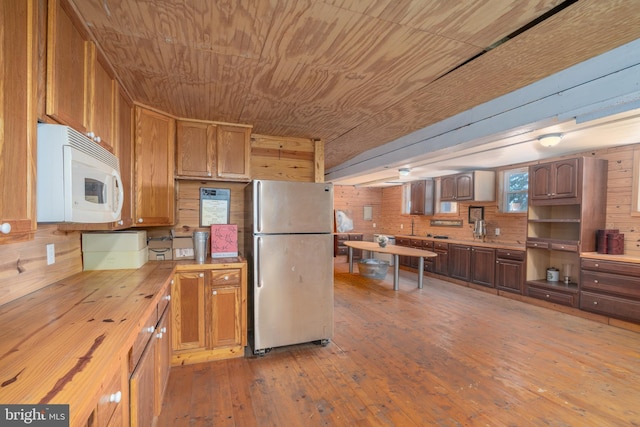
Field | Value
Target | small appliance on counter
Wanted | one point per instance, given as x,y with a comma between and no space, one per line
479,229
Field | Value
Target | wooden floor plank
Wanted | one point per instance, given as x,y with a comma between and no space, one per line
443,355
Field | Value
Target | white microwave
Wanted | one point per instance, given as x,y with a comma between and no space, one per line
78,180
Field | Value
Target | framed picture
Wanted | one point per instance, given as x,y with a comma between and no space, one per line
475,213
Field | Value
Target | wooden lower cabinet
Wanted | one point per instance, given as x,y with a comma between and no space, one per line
483,262
209,319
460,262
339,248
150,371
441,262
510,270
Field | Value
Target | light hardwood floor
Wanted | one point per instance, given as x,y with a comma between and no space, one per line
444,355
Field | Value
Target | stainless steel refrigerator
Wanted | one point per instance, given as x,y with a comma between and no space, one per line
289,248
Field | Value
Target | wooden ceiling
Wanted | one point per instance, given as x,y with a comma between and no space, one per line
355,73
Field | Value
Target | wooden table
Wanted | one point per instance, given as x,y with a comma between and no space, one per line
394,250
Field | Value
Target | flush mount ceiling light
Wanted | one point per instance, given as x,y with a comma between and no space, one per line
550,140
404,171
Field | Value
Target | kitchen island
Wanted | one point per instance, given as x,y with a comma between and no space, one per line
396,251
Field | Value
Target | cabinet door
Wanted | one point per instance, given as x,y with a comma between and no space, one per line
163,357
483,262
195,147
417,197
448,188
464,187
357,253
233,151
510,275
124,151
565,179
226,315
188,305
102,106
460,262
67,69
142,388
18,116
154,180
540,181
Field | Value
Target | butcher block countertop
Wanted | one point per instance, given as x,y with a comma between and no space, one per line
58,344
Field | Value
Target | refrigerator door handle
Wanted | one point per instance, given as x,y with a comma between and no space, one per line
258,218
258,275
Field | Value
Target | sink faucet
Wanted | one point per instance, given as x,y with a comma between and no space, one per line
412,224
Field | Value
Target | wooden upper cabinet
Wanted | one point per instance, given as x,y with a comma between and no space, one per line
68,67
124,151
195,149
102,101
18,62
233,152
555,182
476,186
154,165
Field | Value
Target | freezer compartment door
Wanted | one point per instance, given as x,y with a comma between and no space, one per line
293,289
292,207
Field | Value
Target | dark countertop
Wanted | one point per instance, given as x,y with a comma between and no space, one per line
479,243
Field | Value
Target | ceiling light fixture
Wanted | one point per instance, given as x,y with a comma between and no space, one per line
404,171
550,140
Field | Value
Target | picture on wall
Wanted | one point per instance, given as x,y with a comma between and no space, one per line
344,223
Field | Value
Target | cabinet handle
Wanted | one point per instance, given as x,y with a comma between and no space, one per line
168,297
115,397
91,134
595,303
5,228
547,296
597,265
159,335
121,222
214,293
172,281
140,220
163,330
226,277
201,275
595,281
149,329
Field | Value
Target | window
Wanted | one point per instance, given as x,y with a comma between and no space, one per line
406,198
444,207
515,190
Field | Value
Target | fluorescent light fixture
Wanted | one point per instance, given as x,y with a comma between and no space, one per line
404,171
550,140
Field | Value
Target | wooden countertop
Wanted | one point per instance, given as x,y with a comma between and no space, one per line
58,344
607,257
496,245
390,249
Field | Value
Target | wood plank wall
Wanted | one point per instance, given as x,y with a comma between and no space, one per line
352,201
23,266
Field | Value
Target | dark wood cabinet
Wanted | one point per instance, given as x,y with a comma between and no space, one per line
510,270
427,245
610,288
441,261
460,262
470,186
339,248
567,205
483,262
422,195
554,182
404,260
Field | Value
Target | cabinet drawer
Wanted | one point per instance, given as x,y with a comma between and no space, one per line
225,277
564,247
536,244
357,237
144,334
343,250
441,246
610,306
614,283
110,397
416,243
427,245
164,301
611,267
507,254
553,296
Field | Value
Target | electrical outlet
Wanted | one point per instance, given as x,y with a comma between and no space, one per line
51,254
374,225
497,231
401,226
